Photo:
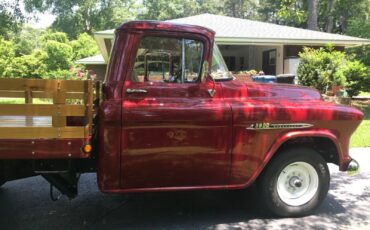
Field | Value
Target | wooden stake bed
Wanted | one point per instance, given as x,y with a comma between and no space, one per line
28,121
33,121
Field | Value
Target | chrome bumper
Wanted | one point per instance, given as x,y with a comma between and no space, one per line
353,167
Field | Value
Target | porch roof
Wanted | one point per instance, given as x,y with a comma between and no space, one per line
236,31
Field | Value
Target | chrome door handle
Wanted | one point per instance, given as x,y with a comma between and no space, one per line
136,91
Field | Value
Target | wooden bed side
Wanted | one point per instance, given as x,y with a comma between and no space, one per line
60,91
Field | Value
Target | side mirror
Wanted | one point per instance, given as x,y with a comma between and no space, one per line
205,70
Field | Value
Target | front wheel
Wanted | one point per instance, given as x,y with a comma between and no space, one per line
294,183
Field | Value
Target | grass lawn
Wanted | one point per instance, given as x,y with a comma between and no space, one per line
364,94
4,100
361,138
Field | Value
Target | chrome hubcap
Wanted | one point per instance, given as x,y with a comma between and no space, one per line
295,182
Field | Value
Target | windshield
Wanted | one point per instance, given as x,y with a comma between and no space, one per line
219,69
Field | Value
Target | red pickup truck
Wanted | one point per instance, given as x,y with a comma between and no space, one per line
171,117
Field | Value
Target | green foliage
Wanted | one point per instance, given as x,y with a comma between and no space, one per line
27,41
11,17
358,78
84,46
360,28
164,10
27,66
54,36
342,12
6,49
324,68
51,56
241,9
6,54
361,138
60,74
75,17
292,13
59,55
284,12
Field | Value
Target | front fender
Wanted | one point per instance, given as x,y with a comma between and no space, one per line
341,147
282,139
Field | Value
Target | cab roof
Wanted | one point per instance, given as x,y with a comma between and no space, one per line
165,26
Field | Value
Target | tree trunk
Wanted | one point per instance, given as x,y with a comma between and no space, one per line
233,9
312,15
330,20
344,21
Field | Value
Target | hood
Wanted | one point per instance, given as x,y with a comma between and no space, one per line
236,89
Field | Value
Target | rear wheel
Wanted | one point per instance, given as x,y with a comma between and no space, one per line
294,183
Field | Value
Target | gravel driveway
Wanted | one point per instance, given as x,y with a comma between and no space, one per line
25,204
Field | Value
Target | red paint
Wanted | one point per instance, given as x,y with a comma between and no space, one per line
178,137
42,149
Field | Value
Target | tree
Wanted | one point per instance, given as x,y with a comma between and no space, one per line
330,16
164,10
360,28
6,55
283,12
51,35
292,13
241,8
84,46
59,55
312,15
27,66
335,15
27,40
11,17
78,16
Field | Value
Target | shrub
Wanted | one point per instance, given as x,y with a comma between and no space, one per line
26,66
59,55
6,55
61,75
358,78
323,68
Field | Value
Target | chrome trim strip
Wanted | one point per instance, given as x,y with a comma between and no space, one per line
257,126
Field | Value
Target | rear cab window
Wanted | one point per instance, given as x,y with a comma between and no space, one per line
167,59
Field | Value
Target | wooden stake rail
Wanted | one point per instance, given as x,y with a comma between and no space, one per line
57,90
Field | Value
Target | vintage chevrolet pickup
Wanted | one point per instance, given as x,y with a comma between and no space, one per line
171,117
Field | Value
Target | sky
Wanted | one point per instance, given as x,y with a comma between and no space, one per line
44,20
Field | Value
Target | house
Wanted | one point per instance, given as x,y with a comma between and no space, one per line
244,44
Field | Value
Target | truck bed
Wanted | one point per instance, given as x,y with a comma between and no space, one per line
56,130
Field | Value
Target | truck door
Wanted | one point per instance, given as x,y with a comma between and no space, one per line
174,134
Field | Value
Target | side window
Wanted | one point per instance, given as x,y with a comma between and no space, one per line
161,59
